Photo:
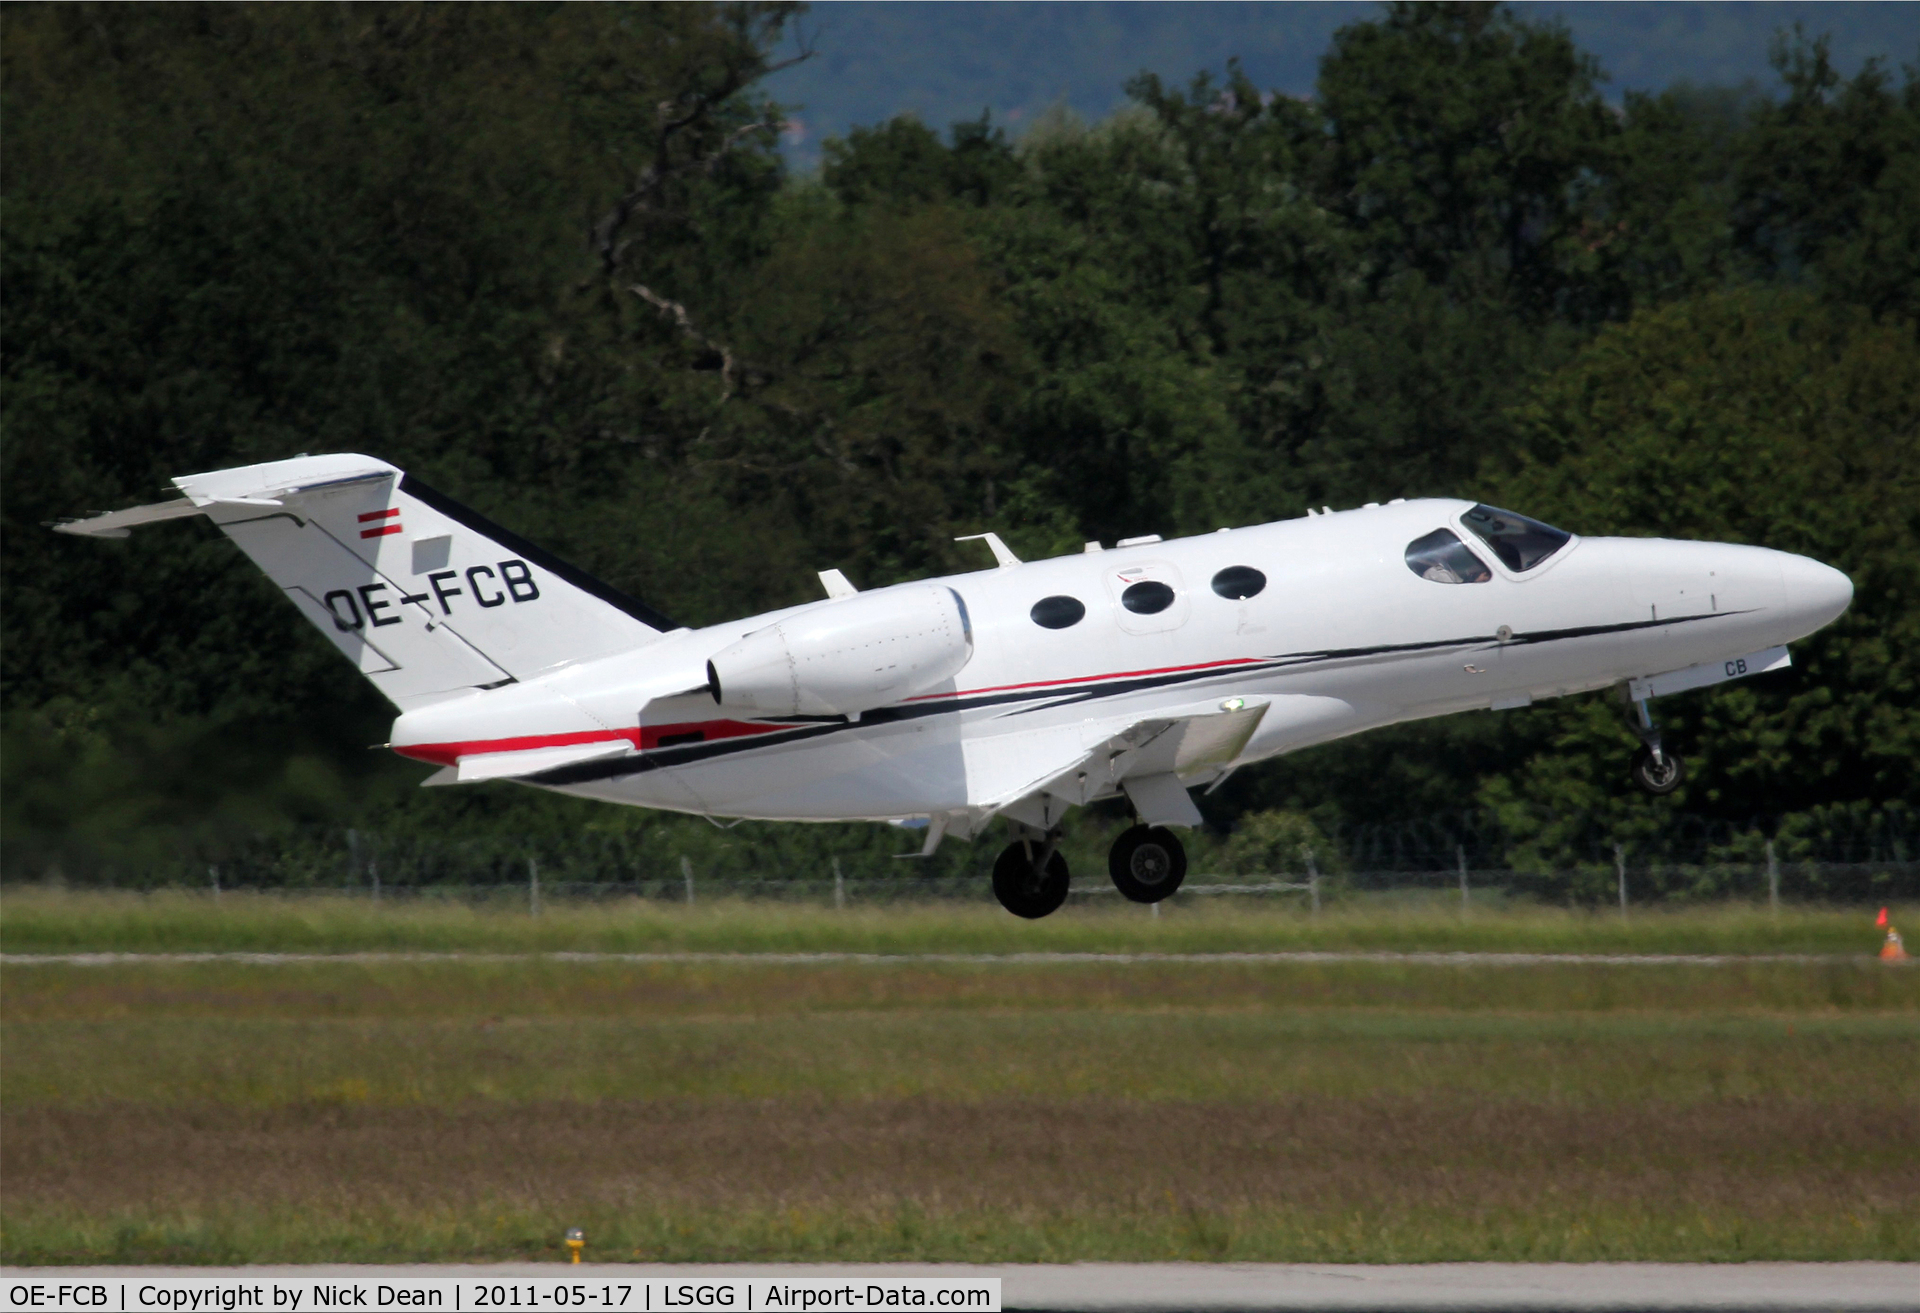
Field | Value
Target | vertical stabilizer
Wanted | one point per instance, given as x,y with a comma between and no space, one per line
426,598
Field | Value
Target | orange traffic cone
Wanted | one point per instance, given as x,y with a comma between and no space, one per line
1893,950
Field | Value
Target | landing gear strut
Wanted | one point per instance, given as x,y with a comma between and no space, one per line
1030,878
1147,863
1654,769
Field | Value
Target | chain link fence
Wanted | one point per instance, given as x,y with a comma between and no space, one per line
1799,882
1836,858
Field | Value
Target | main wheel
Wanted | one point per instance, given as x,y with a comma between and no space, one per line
1657,777
1025,890
1147,863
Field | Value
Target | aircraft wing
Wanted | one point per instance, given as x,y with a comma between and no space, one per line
1035,776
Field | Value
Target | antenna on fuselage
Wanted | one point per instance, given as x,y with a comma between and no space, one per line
1006,558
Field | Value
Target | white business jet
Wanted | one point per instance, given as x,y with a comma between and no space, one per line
1140,670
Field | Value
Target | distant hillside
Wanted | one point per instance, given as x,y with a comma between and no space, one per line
946,62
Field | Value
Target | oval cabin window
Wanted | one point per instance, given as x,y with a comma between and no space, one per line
1148,597
1237,583
1057,612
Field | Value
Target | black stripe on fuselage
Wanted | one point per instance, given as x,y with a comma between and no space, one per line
804,728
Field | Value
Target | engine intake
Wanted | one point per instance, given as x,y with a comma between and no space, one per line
847,657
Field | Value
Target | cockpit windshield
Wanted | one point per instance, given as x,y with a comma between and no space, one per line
1520,543
1442,558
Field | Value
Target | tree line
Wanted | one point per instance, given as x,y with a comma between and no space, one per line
549,257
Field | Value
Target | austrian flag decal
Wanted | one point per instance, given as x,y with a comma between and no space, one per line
375,530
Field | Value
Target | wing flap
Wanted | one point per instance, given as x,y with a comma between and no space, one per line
1184,744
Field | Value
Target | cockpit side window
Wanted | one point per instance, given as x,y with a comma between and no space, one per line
1520,543
1444,559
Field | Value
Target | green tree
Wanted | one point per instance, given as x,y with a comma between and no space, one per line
547,257
1829,180
876,366
1665,228
904,161
1278,843
1759,417
1464,147
234,233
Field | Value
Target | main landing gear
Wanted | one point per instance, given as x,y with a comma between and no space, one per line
1655,769
1147,863
1030,878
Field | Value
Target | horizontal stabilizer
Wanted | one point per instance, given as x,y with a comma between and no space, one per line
531,761
118,524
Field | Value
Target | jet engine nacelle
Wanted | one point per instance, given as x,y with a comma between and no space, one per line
847,657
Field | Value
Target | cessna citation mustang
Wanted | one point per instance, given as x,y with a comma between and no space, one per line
1142,670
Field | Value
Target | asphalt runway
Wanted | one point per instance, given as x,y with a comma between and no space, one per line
1011,959
1197,1287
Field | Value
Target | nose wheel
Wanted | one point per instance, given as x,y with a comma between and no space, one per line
1656,770
1147,863
1658,775
1030,878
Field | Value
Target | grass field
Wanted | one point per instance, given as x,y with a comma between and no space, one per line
713,1110
37,920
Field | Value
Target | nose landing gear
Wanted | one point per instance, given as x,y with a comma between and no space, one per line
1655,769
1030,879
1147,863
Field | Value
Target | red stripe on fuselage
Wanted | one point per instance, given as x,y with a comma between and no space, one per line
646,738
1088,679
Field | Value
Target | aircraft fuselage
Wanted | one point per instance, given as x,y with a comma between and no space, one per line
1342,636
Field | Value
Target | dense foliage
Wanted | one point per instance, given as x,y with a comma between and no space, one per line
548,256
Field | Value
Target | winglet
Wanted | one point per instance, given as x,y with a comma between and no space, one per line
1006,558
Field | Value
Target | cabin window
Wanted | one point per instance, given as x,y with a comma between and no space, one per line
1148,597
1239,582
1444,559
1520,543
1058,612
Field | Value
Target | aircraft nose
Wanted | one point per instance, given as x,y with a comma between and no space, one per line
1816,593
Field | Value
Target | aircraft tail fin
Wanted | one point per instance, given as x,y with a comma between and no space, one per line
427,598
